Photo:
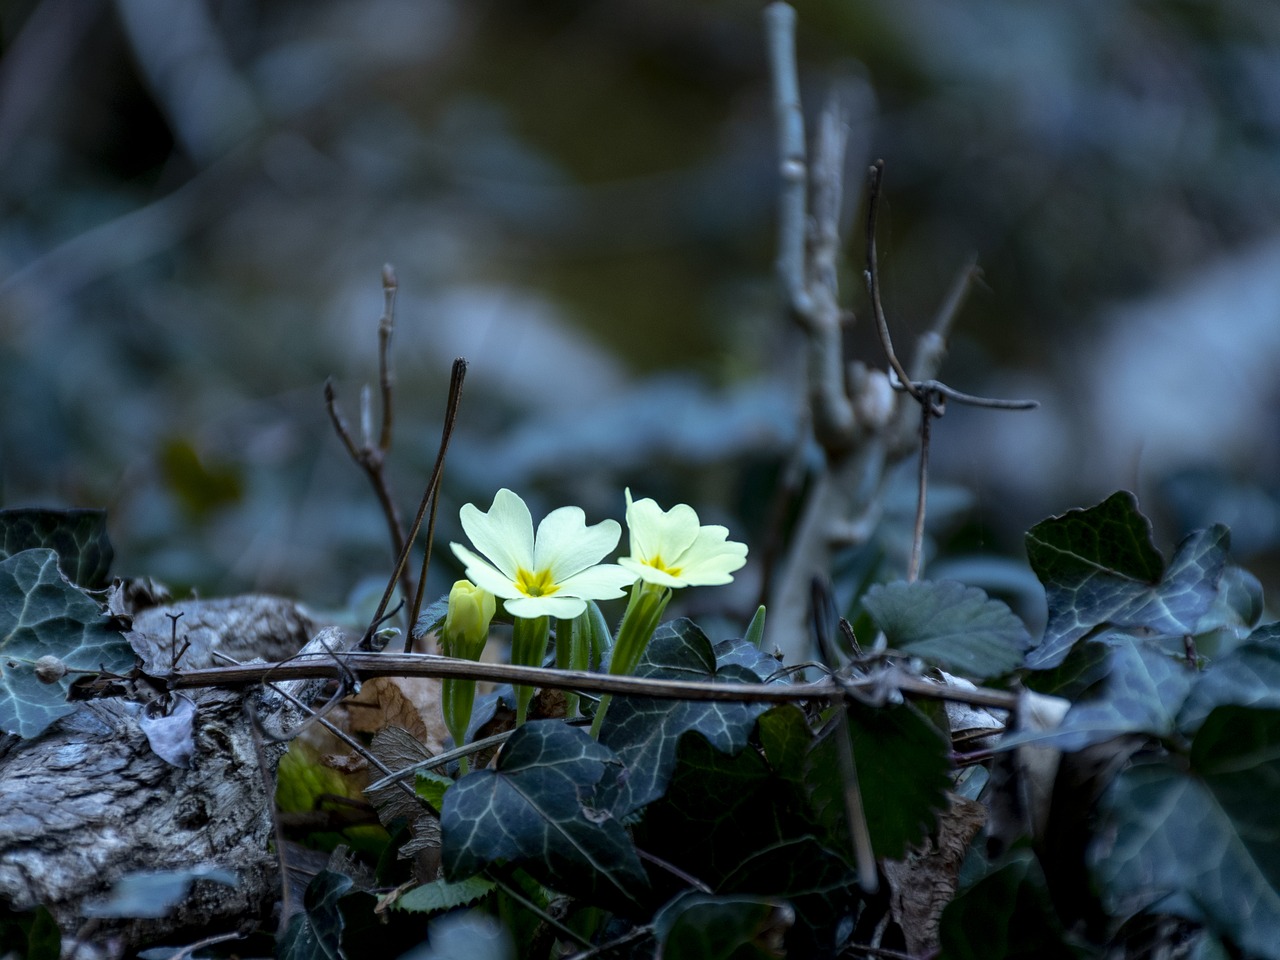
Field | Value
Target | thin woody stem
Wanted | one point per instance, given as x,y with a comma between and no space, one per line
365,665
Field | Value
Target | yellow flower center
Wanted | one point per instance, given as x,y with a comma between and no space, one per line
657,564
537,584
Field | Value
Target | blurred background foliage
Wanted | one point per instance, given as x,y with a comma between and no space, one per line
198,197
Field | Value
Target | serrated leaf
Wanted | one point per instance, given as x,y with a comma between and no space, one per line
79,537
533,809
903,766
444,895
315,932
42,614
819,885
947,623
1249,676
431,619
645,732
1142,692
1099,567
699,926
431,787
148,894
1201,843
1005,915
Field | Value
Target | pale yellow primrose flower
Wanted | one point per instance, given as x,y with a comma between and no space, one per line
671,549
551,574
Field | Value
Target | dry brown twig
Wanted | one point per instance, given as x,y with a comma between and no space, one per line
369,455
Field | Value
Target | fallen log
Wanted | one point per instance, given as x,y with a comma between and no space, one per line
89,801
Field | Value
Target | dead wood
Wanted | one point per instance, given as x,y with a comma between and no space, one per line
89,801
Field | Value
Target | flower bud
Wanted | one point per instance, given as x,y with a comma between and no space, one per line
466,624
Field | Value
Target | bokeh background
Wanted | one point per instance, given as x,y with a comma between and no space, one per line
198,197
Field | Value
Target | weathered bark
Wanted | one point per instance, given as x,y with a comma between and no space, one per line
88,801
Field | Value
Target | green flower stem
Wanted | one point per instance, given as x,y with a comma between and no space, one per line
457,698
528,648
644,611
569,636
600,639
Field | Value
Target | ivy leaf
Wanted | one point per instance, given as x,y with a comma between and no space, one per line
947,623
700,926
42,614
79,537
1141,692
1099,567
645,732
717,808
817,883
441,895
315,933
1249,676
1201,843
785,738
902,763
533,809
1005,915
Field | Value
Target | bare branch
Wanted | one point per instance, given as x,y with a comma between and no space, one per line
366,665
386,379
875,175
780,28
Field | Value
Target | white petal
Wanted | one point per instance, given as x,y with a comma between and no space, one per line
483,574
651,574
566,545
655,533
711,558
504,534
562,608
602,582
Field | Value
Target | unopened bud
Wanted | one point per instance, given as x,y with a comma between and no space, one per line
466,624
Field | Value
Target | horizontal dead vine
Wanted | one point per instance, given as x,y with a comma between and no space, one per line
368,665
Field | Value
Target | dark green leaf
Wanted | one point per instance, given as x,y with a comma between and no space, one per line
739,653
79,537
150,895
444,895
1099,567
755,629
1005,915
644,732
1201,843
1248,676
718,808
818,884
945,622
1080,670
699,926
1142,692
31,935
41,614
903,766
785,738
315,932
533,810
